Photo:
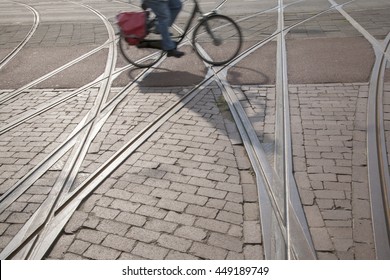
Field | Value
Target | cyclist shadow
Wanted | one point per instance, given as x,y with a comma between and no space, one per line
163,77
240,75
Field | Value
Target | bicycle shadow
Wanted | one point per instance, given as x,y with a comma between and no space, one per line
171,78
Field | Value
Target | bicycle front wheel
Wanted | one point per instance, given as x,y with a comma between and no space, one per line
139,57
217,39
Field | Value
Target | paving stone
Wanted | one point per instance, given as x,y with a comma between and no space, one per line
143,235
252,232
148,251
212,193
183,218
174,255
229,187
173,205
230,217
98,252
201,211
78,247
185,188
173,242
253,252
362,231
76,221
212,224
105,213
92,236
164,193
361,209
193,199
113,227
121,194
215,203
337,214
60,247
202,182
191,233
118,242
364,251
124,205
321,239
131,219
251,211
151,211
234,207
208,252
18,218
327,194
160,226
226,242
313,216
139,198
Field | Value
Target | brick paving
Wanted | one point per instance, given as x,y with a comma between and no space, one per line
179,196
189,192
329,157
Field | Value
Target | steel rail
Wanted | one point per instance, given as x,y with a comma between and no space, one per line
378,168
12,194
73,199
67,175
302,245
29,240
297,229
5,97
30,237
30,33
58,101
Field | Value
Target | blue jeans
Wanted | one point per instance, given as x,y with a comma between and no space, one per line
166,12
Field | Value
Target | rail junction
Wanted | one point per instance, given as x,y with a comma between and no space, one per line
280,154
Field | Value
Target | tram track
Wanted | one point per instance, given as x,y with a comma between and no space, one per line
24,240
377,159
379,178
67,175
69,203
30,33
26,237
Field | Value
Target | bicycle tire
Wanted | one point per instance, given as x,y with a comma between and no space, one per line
222,44
139,57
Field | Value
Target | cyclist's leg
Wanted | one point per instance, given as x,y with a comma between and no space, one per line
175,8
161,9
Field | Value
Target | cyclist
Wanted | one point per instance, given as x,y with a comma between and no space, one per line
166,12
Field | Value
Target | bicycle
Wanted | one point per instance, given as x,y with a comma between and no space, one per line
216,38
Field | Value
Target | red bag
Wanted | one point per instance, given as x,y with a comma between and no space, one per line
133,26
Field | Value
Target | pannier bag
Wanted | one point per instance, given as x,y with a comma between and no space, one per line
133,26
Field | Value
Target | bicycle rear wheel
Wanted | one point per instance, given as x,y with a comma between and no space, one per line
140,57
217,39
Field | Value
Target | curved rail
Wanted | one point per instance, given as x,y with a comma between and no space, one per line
30,33
65,180
65,206
378,167
378,172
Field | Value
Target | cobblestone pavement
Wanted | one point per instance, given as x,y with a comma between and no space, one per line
188,192
329,157
184,194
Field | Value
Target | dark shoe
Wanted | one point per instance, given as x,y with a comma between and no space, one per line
175,53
